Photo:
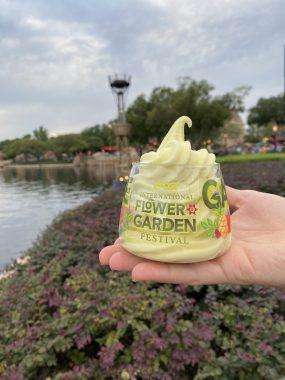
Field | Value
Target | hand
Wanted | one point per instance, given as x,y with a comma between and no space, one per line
256,256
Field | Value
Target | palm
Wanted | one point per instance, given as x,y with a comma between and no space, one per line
257,253
257,250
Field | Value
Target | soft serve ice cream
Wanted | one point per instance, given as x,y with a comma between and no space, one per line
175,206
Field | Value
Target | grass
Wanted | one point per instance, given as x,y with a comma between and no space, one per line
242,158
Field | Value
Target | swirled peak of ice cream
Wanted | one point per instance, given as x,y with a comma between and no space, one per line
175,206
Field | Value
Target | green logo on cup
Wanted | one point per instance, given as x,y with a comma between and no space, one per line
214,194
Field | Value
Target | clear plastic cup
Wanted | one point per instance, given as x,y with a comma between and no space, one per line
175,213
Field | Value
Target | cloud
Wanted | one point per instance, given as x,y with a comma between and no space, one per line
51,72
49,54
56,56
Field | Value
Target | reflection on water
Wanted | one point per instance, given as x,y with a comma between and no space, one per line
87,177
31,197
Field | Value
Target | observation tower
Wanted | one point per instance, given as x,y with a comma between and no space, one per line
120,84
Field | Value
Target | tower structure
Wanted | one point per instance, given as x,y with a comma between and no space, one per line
120,84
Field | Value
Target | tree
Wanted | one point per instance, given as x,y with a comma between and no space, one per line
136,115
154,116
99,135
92,137
25,146
234,100
253,134
4,143
267,110
41,134
69,143
107,135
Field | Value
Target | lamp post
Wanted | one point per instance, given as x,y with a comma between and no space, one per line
225,136
274,136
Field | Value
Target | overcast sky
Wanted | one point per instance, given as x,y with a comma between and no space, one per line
56,54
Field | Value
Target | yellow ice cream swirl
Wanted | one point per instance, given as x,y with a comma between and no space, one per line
175,207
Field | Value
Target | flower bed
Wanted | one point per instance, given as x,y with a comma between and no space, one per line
63,316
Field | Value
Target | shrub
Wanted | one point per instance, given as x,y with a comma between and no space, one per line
63,316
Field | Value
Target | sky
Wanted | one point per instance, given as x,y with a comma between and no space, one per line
56,55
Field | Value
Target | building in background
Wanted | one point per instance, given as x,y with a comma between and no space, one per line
233,132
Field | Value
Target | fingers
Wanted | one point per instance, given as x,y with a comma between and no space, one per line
118,258
124,261
107,252
235,197
203,273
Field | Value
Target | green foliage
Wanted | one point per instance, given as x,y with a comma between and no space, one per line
154,116
99,135
136,115
41,134
256,133
148,117
108,135
69,143
253,132
252,138
92,138
266,130
234,100
4,143
63,316
24,146
267,110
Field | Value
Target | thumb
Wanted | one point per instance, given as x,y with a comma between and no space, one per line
235,197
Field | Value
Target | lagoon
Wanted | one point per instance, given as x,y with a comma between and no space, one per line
30,198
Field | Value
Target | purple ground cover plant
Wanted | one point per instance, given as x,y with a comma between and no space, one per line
63,316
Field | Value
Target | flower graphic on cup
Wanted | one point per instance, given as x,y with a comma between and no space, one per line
192,209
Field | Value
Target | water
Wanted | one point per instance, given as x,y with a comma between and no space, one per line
31,197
